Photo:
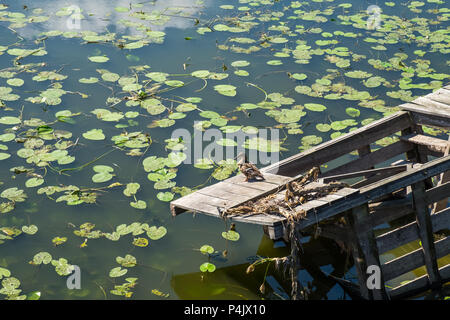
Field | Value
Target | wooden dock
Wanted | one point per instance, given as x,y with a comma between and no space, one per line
380,191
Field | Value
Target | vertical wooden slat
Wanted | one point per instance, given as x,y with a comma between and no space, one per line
416,154
443,178
423,220
363,151
368,245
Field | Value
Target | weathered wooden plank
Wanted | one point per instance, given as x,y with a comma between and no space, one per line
407,178
410,232
331,198
372,179
311,205
385,211
417,285
342,145
368,245
351,197
388,170
439,192
230,188
429,119
208,205
346,192
412,260
198,202
271,181
372,159
379,189
423,101
428,110
442,95
433,144
220,193
276,231
423,220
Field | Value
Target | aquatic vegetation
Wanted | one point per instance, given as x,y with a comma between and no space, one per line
86,127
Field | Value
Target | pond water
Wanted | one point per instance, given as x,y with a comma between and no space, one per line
91,93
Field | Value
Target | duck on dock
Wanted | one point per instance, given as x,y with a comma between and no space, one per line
248,169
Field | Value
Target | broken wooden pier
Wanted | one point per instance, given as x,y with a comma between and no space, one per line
407,181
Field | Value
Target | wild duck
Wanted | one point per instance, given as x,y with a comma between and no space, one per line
248,169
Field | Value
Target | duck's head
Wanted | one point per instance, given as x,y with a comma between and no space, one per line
241,158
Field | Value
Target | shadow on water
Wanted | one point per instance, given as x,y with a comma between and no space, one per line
320,258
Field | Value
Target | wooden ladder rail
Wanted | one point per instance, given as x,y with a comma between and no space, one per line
365,252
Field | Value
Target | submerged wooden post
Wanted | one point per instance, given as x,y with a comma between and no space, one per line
423,220
366,251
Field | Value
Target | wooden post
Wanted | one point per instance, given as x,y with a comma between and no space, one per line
423,220
365,252
443,178
363,151
418,153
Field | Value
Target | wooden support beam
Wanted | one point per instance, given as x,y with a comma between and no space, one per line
440,192
364,151
443,178
432,144
368,250
386,211
410,232
403,179
429,119
372,179
342,145
423,220
370,172
413,260
358,260
418,285
373,158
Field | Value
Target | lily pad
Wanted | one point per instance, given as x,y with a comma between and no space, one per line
156,233
42,257
140,242
165,196
315,107
34,182
226,89
207,267
128,261
31,229
94,134
117,272
140,204
207,249
231,235
99,59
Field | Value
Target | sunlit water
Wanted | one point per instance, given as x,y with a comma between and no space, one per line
171,264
